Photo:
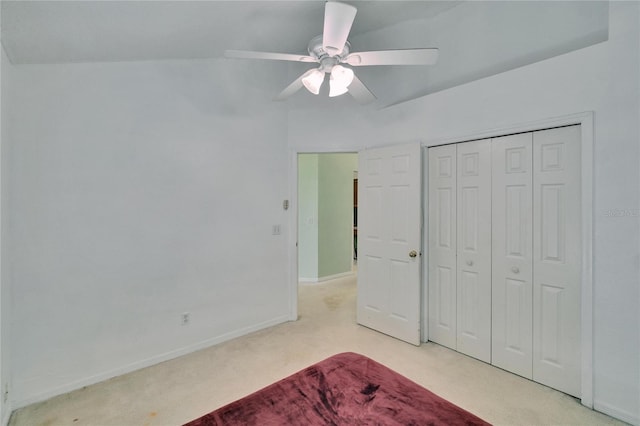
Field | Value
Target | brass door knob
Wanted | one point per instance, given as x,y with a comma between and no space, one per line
413,253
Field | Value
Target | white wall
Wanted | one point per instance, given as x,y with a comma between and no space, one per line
139,191
602,78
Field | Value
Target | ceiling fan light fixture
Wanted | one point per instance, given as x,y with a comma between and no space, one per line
313,81
341,78
335,90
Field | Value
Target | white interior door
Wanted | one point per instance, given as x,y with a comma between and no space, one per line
557,258
442,245
389,238
474,249
512,246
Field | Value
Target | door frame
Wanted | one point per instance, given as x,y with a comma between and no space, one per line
586,122
292,240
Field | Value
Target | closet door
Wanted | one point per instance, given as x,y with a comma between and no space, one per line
557,258
474,249
442,245
512,246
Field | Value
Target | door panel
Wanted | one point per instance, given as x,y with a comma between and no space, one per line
442,245
557,258
473,185
389,228
468,283
512,245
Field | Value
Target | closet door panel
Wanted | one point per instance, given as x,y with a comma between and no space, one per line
474,249
557,259
442,245
512,245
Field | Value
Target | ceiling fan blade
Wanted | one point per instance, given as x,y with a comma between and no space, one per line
426,56
247,54
338,18
360,93
293,87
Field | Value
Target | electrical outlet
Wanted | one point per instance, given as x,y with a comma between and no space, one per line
5,394
185,318
275,230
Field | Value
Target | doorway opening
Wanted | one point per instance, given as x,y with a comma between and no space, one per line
326,228
327,215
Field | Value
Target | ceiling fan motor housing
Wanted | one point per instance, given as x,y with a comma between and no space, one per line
326,60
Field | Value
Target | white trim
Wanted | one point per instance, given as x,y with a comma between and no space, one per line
293,236
6,413
616,412
326,277
7,407
530,126
586,122
146,363
425,244
586,305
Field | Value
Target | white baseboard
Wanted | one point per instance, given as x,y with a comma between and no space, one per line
610,410
6,414
325,278
143,363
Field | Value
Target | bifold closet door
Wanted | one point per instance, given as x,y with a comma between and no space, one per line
460,247
505,253
512,246
442,245
474,249
557,259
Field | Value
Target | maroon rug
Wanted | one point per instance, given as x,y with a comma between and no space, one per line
345,389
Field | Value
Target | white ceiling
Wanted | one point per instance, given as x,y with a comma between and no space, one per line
105,31
476,38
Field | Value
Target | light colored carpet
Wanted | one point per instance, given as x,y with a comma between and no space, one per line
174,392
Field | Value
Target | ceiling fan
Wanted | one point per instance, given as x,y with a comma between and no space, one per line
331,49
